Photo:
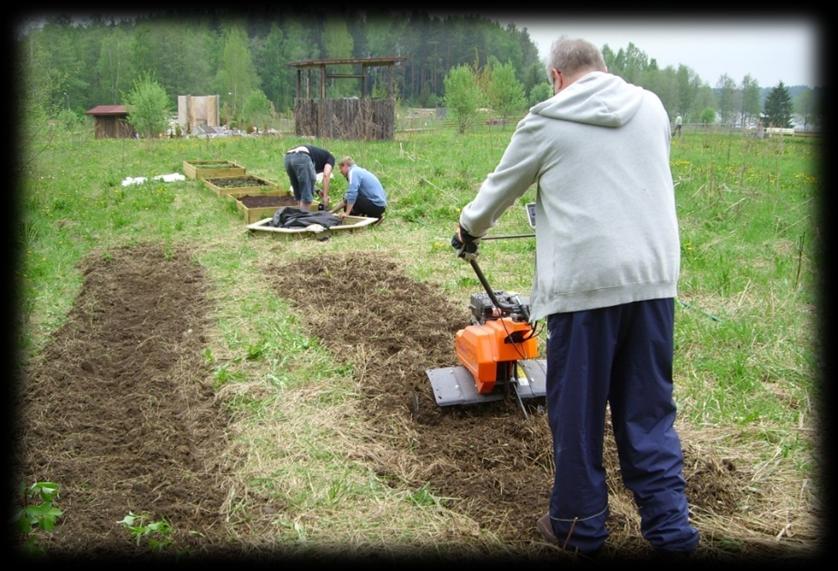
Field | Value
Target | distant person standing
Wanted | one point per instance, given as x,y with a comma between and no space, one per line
302,164
678,122
364,195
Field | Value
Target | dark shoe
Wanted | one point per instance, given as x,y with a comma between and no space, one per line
546,529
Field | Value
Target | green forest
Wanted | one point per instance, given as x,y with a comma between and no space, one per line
72,63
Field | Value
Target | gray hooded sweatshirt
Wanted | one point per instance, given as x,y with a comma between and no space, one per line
606,229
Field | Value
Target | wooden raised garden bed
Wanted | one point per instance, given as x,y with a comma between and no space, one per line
349,224
255,208
243,185
212,169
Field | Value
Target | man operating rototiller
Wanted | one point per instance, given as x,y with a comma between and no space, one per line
607,265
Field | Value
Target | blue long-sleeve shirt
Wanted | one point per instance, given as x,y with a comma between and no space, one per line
364,182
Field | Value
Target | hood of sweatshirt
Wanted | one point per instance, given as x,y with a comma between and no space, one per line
597,98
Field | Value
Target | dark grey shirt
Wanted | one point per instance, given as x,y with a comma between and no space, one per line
320,157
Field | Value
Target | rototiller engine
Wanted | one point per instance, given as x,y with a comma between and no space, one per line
497,352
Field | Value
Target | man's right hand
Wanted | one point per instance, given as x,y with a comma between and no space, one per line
465,244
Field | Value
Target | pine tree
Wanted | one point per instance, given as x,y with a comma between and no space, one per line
778,107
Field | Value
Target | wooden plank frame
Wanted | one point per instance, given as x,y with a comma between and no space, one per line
256,213
350,224
267,189
198,170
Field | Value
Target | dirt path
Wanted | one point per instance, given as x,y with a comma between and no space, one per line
115,409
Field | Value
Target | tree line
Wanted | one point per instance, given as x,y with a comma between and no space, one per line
683,92
73,64
76,65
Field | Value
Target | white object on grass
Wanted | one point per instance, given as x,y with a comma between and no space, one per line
171,177
133,180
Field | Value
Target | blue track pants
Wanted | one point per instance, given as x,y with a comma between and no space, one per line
620,355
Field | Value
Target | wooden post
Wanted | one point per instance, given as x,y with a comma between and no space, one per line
190,112
299,81
390,67
322,82
363,81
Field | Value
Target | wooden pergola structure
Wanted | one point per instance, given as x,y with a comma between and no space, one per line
349,117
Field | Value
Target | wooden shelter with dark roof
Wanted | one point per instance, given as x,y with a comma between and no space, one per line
365,117
111,122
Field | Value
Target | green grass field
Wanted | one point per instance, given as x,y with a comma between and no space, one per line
746,346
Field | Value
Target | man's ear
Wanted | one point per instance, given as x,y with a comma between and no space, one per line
555,75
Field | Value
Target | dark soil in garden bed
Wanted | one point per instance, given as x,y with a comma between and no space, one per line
237,181
260,201
116,409
494,463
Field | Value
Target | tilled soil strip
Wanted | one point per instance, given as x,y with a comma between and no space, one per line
115,409
494,462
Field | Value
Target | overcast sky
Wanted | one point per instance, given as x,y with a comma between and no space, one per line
770,49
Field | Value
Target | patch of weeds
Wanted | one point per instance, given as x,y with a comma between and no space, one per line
39,513
59,205
338,491
423,497
255,351
157,534
208,356
345,370
223,375
120,220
